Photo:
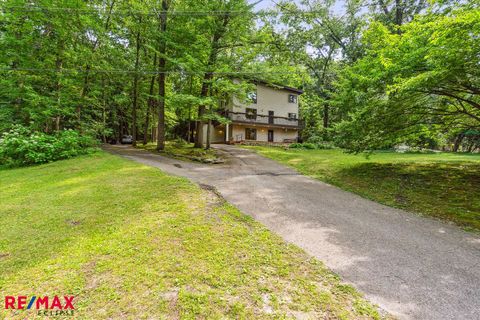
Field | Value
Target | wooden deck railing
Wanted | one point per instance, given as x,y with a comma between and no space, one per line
263,119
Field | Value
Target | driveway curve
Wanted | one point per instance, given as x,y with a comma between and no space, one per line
411,266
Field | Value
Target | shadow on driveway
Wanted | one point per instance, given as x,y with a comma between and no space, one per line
413,267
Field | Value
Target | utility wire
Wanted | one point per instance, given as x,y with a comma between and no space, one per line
155,13
146,71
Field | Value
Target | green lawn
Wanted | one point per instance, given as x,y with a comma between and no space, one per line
131,242
443,185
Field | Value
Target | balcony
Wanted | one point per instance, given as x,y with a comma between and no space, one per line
262,119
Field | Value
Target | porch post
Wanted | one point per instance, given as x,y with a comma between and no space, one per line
227,132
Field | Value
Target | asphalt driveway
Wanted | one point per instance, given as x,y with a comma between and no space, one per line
413,267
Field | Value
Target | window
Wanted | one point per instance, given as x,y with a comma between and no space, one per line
251,113
250,134
252,96
292,116
292,98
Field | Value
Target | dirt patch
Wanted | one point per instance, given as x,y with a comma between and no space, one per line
172,298
216,198
401,199
214,203
4,255
73,222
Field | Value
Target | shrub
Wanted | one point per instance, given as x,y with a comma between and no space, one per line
296,145
305,145
325,145
311,146
20,147
179,143
316,139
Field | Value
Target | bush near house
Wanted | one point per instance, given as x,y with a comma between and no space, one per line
312,145
21,147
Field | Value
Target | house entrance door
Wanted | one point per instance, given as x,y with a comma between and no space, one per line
270,135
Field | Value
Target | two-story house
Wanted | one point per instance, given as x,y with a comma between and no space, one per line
270,116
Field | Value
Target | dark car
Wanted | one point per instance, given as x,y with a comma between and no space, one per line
126,139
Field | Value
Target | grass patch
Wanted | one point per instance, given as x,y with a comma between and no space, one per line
129,241
185,151
442,185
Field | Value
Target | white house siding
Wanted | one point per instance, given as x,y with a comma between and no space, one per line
280,135
269,99
217,135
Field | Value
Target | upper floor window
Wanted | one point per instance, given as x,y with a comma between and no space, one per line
251,113
252,96
292,98
292,116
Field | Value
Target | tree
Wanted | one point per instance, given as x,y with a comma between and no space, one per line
162,51
425,76
394,13
218,35
319,41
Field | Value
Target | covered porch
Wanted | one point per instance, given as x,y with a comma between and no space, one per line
250,133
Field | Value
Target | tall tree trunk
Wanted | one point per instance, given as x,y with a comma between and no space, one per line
104,110
201,112
58,67
150,103
209,124
218,34
189,132
83,95
398,12
86,79
189,125
458,142
326,120
325,116
161,78
147,124
135,90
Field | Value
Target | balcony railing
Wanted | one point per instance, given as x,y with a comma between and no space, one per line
263,119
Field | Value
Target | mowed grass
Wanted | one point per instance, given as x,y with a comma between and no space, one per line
130,242
442,185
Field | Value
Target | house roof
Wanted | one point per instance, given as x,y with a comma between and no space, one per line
278,86
270,84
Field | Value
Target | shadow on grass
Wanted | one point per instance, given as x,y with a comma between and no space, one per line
447,190
126,240
46,211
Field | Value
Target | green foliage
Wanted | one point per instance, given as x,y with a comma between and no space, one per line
305,145
21,147
318,44
374,76
416,84
179,143
94,66
312,145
